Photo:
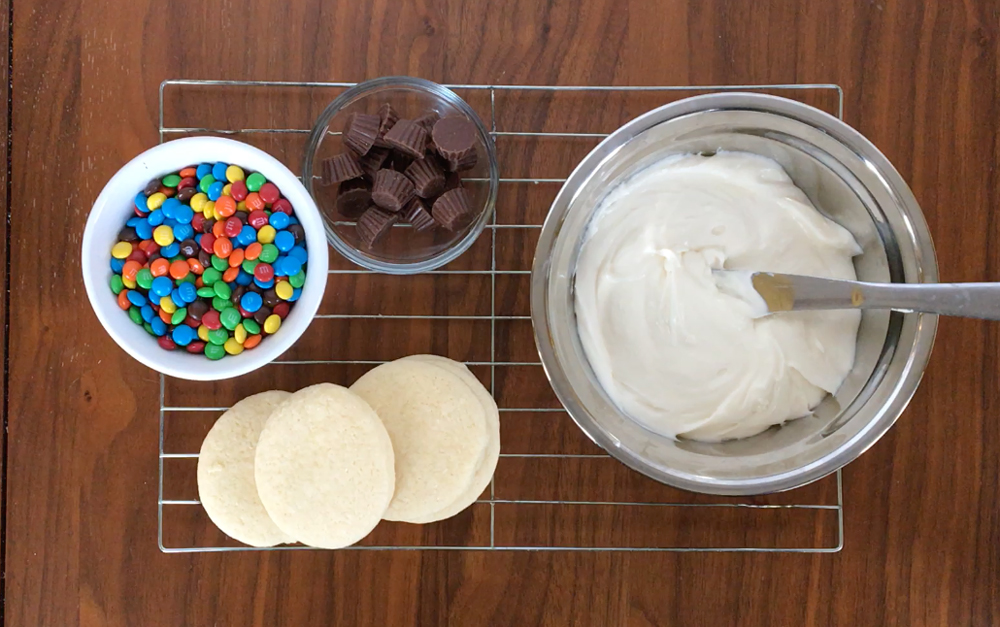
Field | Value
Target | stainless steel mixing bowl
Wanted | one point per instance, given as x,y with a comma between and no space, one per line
851,182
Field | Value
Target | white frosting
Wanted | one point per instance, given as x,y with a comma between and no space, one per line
673,351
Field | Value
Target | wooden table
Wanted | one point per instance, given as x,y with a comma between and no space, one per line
922,522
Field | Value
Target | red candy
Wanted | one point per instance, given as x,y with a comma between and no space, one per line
196,347
137,255
191,322
197,222
187,181
238,191
257,219
211,320
208,243
283,206
244,312
166,343
269,193
263,272
233,227
281,309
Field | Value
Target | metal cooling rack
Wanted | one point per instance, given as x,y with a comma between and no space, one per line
177,413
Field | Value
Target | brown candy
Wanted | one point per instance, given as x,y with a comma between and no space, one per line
151,187
455,140
270,298
237,294
427,119
427,177
360,132
186,194
391,190
451,209
407,137
353,197
189,248
261,314
387,117
197,309
299,233
339,168
417,215
372,162
374,224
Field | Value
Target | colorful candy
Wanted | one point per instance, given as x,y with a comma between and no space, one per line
211,260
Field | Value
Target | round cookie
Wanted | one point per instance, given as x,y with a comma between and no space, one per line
324,467
436,424
487,466
226,483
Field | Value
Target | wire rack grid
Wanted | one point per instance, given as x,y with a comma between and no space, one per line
824,517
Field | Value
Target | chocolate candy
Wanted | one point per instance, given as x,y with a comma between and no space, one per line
455,140
428,179
372,162
391,190
339,168
427,120
407,137
387,117
360,132
374,223
451,210
353,197
418,216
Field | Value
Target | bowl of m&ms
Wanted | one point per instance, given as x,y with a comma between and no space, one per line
205,258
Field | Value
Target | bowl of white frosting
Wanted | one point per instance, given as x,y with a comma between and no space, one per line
683,381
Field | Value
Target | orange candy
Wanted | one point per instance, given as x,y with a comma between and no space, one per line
230,274
222,247
253,251
186,172
236,258
130,269
179,269
225,206
199,282
167,191
160,267
123,301
251,341
195,265
254,202
165,316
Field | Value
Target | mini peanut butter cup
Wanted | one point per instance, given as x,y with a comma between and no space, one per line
407,137
353,197
387,117
373,224
418,216
340,168
427,177
360,132
452,209
372,162
392,190
455,139
427,119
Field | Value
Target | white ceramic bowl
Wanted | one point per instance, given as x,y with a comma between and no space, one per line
115,205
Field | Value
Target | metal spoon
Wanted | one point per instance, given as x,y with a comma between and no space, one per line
770,293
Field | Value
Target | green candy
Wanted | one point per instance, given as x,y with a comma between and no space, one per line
178,316
299,279
217,337
220,303
251,326
205,183
209,277
219,263
144,278
268,253
230,318
255,181
190,277
214,351
177,258
206,292
149,328
116,284
135,314
222,289
249,265
171,180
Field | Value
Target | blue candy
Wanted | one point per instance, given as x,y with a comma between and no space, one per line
144,230
219,171
203,170
293,220
156,218
134,221
183,335
279,220
117,265
277,266
244,278
170,206
251,301
264,284
284,240
215,190
136,298
170,251
197,239
183,231
187,292
147,313
247,236
290,266
176,297
159,326
299,253
140,202
184,214
162,286
295,294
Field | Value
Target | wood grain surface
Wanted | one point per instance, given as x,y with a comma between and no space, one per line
922,507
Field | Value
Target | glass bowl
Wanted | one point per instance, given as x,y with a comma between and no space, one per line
403,250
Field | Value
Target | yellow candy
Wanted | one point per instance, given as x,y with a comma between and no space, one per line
273,323
232,346
284,290
226,189
129,283
198,202
209,209
163,235
167,305
234,173
121,250
154,201
203,333
241,205
239,333
266,234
